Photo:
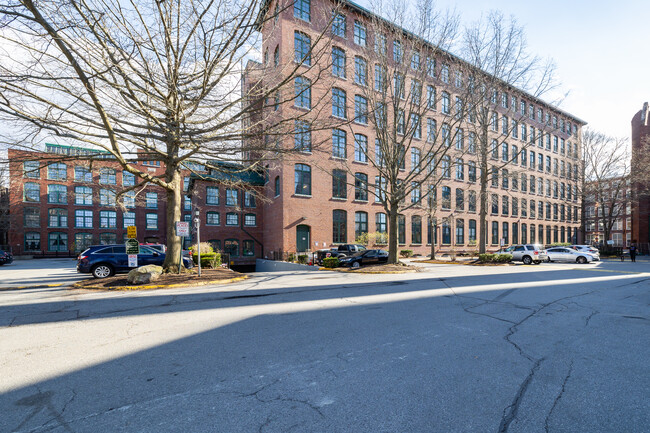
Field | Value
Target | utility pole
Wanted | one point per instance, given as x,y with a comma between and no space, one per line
197,221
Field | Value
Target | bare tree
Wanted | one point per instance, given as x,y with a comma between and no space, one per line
605,180
498,70
397,95
150,80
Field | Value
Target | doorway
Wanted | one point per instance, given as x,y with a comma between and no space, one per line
302,238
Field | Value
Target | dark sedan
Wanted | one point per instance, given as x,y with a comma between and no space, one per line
6,257
364,258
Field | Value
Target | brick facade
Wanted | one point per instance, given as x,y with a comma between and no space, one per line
641,205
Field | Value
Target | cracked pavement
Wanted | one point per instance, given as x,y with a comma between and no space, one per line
548,348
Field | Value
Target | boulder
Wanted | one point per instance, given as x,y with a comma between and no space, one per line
144,274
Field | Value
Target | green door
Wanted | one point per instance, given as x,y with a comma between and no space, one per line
302,238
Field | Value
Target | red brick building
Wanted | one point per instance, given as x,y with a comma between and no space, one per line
305,214
641,204
60,203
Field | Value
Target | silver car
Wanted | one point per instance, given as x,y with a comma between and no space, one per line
563,254
527,253
587,249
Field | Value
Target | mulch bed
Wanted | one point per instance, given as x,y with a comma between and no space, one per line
381,269
208,276
466,262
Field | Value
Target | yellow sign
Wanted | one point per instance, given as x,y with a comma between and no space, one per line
131,232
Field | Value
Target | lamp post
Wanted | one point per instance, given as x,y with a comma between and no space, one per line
197,221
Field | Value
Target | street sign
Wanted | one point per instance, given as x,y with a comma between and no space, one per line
503,242
133,260
183,229
131,232
132,246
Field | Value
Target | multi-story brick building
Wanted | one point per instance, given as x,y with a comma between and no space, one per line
608,218
309,209
60,203
641,204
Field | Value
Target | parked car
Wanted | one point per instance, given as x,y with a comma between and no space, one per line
366,257
348,250
6,257
105,260
587,249
325,253
161,248
528,253
564,254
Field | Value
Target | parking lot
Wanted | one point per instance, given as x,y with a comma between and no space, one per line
39,272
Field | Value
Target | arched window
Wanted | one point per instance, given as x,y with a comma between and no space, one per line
360,224
460,232
416,229
231,246
401,229
302,179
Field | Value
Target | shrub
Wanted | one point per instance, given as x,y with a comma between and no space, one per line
406,253
331,262
372,238
503,258
206,248
494,258
302,259
291,257
208,260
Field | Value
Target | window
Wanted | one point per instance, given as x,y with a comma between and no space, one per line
495,177
232,219
505,228
56,218
339,25
360,224
57,242
431,130
82,174
444,165
151,221
380,44
212,218
460,169
107,176
231,247
471,231
360,148
339,184
415,159
416,193
187,202
339,226
460,139
107,219
361,186
445,135
360,71
232,197
416,229
128,179
82,241
446,232
381,185
248,248
460,232
471,143
57,194
31,192
494,149
381,222
83,196
32,217
128,219
151,200
514,151
277,185
250,220
446,198
505,178
57,171
460,199
276,55
339,143
471,171
515,206
249,199
360,109
359,33
471,201
401,229
444,73
212,195
338,62
431,97
504,152
107,238
32,241
338,103
31,169
459,108
302,48
107,197
302,136
416,126
83,218
302,179
303,92
302,9
445,103
495,204
380,78
397,51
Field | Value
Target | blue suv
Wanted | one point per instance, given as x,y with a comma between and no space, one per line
105,260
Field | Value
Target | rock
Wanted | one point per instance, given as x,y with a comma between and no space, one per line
144,274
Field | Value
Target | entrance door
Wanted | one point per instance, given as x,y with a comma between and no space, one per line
302,238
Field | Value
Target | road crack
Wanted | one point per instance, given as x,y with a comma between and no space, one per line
559,396
510,412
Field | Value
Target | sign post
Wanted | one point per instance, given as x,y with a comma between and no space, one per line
182,230
197,221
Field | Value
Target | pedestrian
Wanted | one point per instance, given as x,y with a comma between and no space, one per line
633,252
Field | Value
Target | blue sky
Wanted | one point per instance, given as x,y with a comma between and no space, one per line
601,48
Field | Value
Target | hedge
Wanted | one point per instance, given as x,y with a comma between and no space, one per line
209,260
331,262
494,258
406,253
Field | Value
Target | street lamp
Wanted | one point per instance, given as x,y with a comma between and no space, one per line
197,222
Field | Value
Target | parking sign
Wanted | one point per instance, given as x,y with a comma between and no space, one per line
182,229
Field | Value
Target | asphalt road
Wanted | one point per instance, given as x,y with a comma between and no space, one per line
558,348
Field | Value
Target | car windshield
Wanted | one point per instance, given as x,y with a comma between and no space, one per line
360,253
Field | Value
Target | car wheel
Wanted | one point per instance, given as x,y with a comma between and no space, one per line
537,262
582,260
102,271
527,260
355,265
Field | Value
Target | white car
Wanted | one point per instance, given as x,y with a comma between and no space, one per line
587,249
564,254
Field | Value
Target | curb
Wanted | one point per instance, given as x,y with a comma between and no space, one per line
36,286
161,286
350,271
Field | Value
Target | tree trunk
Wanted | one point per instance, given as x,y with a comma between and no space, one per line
432,228
392,234
483,197
174,203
